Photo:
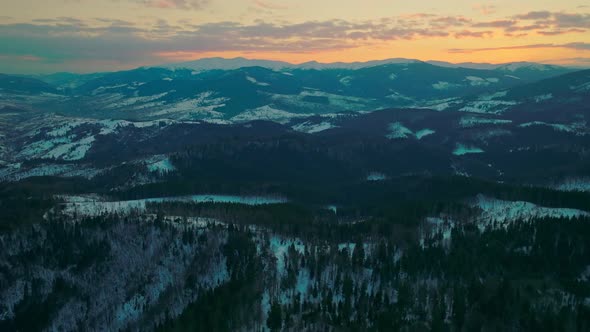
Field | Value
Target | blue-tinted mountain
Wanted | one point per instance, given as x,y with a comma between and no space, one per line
24,85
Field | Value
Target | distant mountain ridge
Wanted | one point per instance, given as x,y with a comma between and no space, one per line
240,62
261,93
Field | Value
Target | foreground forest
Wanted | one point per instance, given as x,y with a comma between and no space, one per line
453,254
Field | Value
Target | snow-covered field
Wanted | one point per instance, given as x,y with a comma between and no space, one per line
472,121
487,106
438,105
501,213
268,113
577,128
70,139
495,214
203,105
573,184
82,206
441,85
334,102
16,172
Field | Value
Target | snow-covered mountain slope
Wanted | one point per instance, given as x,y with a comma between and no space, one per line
186,94
499,213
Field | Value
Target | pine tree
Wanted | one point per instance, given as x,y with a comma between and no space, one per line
275,317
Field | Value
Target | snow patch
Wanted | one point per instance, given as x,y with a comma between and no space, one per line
268,113
462,149
441,85
205,104
312,128
439,105
472,121
77,207
495,211
376,176
346,80
398,130
478,81
424,132
492,96
544,97
279,247
581,88
577,128
162,166
573,184
254,81
487,106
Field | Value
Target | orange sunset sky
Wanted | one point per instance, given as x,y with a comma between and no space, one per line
96,35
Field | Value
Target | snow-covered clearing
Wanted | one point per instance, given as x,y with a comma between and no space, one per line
397,130
312,128
499,212
74,206
462,149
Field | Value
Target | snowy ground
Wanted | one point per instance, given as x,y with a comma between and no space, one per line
397,130
160,164
501,213
495,214
376,176
16,172
573,184
74,205
577,128
473,121
462,149
487,106
268,113
312,128
70,139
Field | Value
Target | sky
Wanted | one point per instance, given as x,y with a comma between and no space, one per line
44,36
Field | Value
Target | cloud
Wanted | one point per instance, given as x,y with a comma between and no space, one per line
485,9
566,20
573,60
473,34
174,4
495,24
60,41
66,39
26,58
560,32
575,46
536,15
556,20
269,5
543,23
449,22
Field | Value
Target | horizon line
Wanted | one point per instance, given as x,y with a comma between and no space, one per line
430,61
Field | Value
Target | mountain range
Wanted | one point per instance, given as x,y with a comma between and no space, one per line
244,195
